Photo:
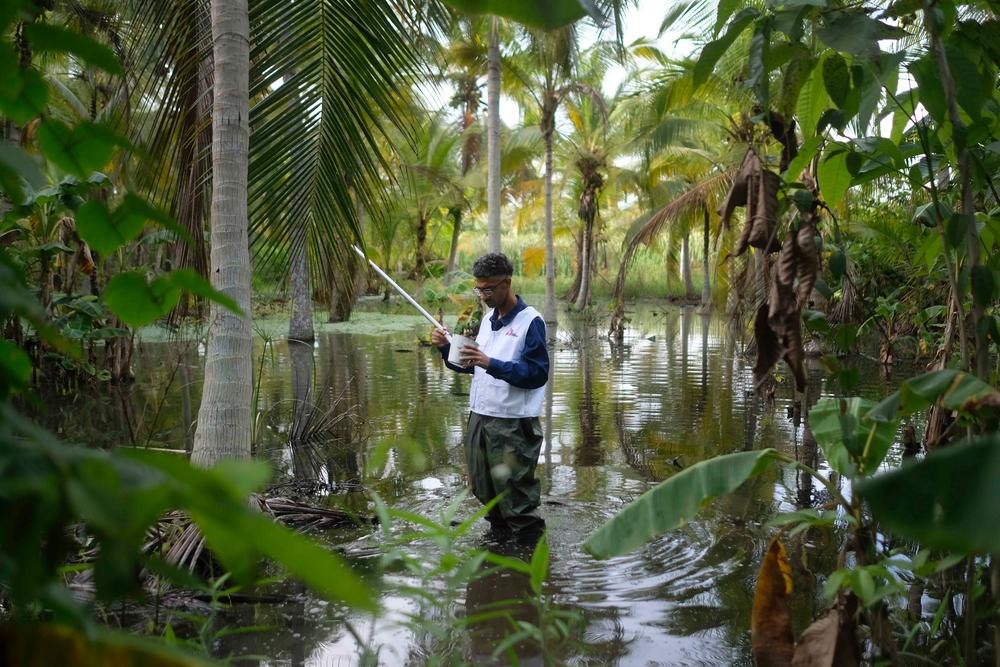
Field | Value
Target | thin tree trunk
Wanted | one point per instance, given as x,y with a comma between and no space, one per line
980,365
549,313
706,284
224,417
456,218
586,264
345,287
470,155
300,326
493,138
421,262
686,266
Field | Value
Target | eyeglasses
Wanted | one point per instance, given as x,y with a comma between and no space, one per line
487,291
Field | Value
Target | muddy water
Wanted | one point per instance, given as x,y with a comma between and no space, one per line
366,408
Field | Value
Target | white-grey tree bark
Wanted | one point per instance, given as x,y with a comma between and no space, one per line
686,266
493,138
549,309
224,418
300,326
706,284
586,265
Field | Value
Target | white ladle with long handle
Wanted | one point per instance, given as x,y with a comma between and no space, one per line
402,293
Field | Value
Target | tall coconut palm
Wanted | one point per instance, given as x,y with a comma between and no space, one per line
493,136
224,418
542,76
429,178
688,134
465,60
324,78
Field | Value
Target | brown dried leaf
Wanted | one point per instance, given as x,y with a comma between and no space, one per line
771,622
737,195
807,265
768,346
794,354
818,643
791,285
761,211
757,189
828,642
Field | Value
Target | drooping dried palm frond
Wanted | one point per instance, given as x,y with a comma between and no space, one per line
778,324
649,227
756,188
182,545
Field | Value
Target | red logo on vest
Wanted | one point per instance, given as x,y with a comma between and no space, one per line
510,332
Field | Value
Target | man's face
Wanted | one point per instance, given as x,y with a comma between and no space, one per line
493,290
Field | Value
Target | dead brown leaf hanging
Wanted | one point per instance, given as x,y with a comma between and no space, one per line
829,641
756,188
771,620
769,349
791,285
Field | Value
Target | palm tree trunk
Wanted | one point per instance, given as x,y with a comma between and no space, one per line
224,418
686,266
300,326
456,217
586,264
549,310
706,283
493,138
421,262
345,287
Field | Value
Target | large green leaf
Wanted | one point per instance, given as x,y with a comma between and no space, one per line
851,443
84,148
217,500
813,101
102,231
925,71
947,501
58,39
24,92
834,176
548,14
138,302
712,51
676,500
836,78
855,32
954,388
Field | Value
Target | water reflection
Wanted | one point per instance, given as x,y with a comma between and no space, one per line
616,421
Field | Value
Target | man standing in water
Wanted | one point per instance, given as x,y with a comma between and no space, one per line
511,367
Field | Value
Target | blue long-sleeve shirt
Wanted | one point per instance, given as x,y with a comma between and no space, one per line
531,371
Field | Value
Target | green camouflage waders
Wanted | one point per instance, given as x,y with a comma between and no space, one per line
502,454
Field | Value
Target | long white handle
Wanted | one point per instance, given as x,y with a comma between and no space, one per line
402,293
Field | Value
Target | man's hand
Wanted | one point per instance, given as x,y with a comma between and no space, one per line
472,356
438,337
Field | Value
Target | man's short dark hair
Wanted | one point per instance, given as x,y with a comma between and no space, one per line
492,264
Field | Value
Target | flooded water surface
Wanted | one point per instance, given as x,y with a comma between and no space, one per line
368,409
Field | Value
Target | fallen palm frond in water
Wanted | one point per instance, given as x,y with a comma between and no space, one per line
178,541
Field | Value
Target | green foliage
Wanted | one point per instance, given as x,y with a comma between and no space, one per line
942,500
138,302
952,387
675,501
852,444
547,15
116,498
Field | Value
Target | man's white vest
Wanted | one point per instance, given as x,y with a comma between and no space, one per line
492,396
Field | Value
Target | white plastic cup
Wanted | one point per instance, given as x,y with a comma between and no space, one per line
457,343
